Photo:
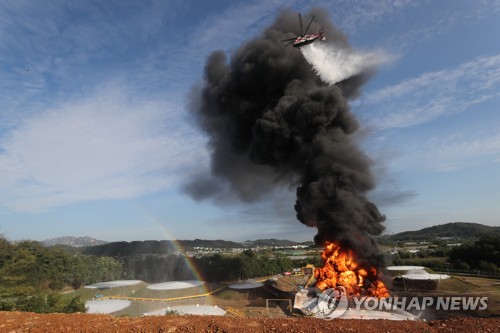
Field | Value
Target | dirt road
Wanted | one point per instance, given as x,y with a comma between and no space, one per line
16,322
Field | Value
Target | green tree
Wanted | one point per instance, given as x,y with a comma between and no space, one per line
483,254
76,304
28,269
36,303
7,304
54,301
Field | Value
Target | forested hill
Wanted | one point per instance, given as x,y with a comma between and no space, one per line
118,249
189,244
459,230
28,266
155,247
270,242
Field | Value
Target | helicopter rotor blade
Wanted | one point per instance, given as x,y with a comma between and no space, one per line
312,19
300,20
289,39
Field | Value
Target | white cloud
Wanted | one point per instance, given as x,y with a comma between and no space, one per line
353,15
234,24
106,146
444,153
431,95
457,151
403,24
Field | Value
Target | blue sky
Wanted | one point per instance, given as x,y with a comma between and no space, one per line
95,137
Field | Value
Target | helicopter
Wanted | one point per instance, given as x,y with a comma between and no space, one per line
304,39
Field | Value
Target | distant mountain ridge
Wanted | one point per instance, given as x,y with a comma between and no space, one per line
458,230
229,244
162,247
448,230
73,241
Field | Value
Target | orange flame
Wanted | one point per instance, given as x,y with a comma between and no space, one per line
340,269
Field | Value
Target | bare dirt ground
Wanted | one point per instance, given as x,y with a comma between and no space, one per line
16,322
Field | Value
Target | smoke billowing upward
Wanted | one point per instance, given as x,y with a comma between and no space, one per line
271,121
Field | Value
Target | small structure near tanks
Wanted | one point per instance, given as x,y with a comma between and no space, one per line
415,277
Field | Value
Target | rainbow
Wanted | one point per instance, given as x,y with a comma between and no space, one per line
179,248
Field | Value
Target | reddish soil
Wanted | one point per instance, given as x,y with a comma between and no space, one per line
15,322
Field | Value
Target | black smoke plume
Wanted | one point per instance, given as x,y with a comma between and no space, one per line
271,121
